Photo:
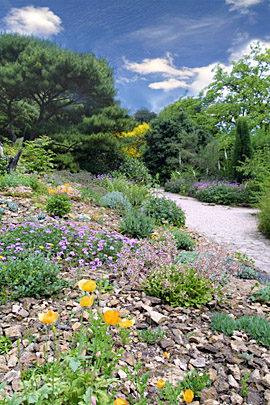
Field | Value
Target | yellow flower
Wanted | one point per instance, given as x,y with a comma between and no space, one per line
160,383
153,236
58,258
87,285
1,257
41,247
69,191
87,301
58,187
49,317
126,323
120,401
111,317
64,190
39,180
51,191
67,185
188,396
167,355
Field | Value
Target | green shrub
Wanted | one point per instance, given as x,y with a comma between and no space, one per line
186,257
164,211
183,240
5,345
223,323
58,205
13,207
151,336
258,328
36,157
179,286
135,193
34,276
134,169
264,215
3,166
247,273
115,200
262,295
137,224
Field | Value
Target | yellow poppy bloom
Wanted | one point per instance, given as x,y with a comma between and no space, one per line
87,285
111,317
160,383
67,185
167,355
120,401
188,396
58,187
87,301
39,180
126,323
49,317
51,191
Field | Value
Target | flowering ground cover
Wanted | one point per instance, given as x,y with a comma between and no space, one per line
85,341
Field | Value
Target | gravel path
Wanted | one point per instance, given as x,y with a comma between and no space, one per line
233,227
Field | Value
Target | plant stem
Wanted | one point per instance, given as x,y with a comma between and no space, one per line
20,367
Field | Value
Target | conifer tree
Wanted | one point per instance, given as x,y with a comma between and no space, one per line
242,147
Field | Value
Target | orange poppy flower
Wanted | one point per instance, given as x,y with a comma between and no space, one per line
51,191
120,401
87,301
111,317
188,396
49,317
160,383
87,285
167,355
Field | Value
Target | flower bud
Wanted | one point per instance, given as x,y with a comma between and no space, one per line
93,400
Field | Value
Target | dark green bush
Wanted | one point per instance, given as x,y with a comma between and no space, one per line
262,295
264,215
34,276
164,211
58,205
137,224
223,323
179,286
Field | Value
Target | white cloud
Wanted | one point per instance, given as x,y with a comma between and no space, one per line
167,85
164,66
30,20
236,54
242,5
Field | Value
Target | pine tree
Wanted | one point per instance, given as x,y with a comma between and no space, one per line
242,147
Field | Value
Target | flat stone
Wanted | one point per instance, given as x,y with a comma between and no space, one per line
266,380
158,317
198,362
14,332
253,398
233,383
236,399
3,369
208,393
165,343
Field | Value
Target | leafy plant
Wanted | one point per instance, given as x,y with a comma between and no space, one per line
115,200
137,224
223,323
139,381
186,257
264,214
243,382
179,286
195,381
5,345
164,211
183,240
36,156
134,169
34,276
262,295
247,273
58,205
151,336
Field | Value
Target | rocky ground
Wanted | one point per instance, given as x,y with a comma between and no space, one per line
189,340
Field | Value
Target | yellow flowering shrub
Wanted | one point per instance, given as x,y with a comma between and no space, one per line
138,134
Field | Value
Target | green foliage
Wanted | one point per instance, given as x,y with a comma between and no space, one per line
36,157
34,276
247,273
137,224
264,214
15,180
13,206
134,169
135,193
5,345
183,240
164,211
242,147
220,192
138,380
223,323
180,182
151,336
195,381
243,382
115,200
262,295
144,115
58,205
258,328
3,166
179,286
186,257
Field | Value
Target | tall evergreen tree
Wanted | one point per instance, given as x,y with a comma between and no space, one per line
242,147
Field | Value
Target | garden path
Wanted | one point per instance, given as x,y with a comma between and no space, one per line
233,227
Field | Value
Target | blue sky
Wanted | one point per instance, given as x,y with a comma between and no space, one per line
159,50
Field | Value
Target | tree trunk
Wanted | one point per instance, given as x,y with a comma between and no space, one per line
12,162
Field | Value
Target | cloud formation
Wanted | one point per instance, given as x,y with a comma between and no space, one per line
242,5
30,20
